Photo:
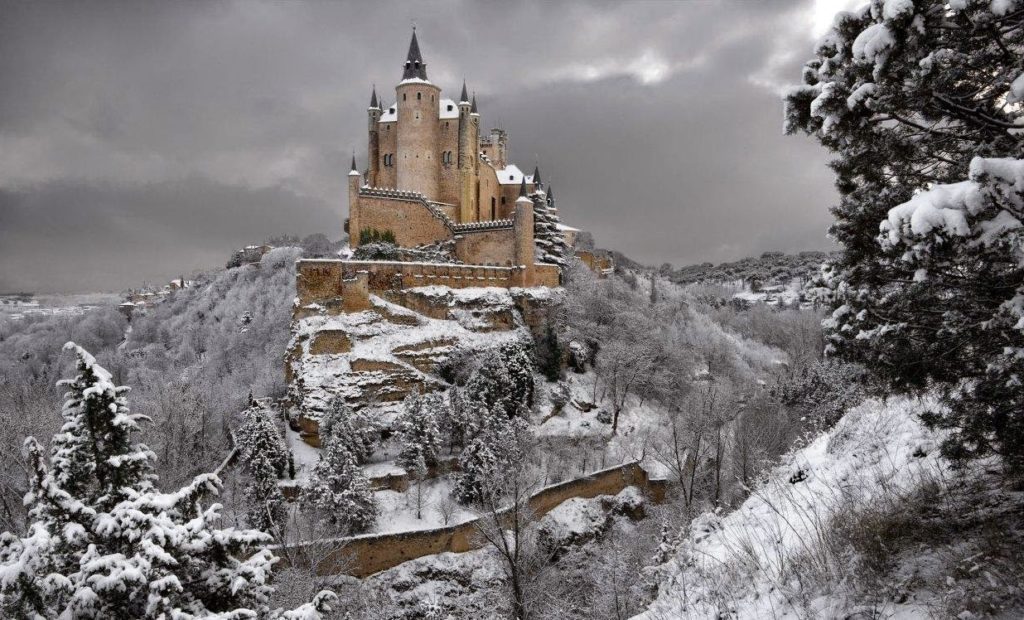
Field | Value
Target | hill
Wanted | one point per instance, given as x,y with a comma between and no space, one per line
769,268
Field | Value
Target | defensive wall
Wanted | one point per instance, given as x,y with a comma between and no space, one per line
361,556
345,285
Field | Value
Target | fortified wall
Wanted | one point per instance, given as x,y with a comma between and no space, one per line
361,556
337,285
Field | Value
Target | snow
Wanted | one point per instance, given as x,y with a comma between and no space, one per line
874,44
398,510
944,208
390,113
512,175
895,9
745,557
447,109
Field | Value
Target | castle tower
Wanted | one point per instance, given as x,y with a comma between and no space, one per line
418,163
373,151
469,139
522,226
353,205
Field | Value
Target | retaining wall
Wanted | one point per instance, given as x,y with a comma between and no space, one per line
361,556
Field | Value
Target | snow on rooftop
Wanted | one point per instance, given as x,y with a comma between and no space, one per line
446,108
512,175
415,80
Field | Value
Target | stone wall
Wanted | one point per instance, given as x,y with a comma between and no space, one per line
409,218
362,556
489,246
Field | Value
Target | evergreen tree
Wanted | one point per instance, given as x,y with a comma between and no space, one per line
259,436
340,490
549,240
92,456
921,103
265,504
357,431
418,432
496,449
103,543
504,381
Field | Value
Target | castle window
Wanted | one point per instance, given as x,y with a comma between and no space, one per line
502,200
492,207
404,96
449,109
419,96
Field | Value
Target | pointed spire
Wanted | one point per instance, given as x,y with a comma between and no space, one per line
551,196
373,98
522,188
536,178
464,97
472,109
414,65
354,169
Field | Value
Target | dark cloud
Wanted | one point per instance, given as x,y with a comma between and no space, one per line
140,140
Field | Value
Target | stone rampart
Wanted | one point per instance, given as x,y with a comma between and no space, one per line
362,556
346,284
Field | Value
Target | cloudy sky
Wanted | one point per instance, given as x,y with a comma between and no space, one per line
140,140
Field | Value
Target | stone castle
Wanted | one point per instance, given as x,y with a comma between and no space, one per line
479,258
432,178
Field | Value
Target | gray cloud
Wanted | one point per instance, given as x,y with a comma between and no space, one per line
140,140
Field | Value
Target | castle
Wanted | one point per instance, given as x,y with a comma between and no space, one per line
432,178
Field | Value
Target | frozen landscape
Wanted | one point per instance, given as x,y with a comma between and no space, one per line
665,394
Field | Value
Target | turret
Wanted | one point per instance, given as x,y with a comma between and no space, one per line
373,151
469,132
353,204
418,163
522,227
537,185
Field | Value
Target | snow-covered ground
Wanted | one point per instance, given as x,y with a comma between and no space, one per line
742,565
16,307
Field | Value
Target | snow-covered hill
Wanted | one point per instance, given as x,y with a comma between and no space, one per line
788,550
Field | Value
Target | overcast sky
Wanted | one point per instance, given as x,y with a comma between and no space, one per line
141,140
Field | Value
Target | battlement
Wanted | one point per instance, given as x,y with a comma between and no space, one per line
491,225
345,284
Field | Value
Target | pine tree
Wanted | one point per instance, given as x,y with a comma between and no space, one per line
355,429
549,240
920,102
504,380
265,504
340,490
496,449
418,433
92,456
111,545
259,435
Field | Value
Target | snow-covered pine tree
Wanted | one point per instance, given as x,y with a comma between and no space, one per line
549,240
92,457
922,104
114,546
504,380
418,432
259,435
495,450
264,503
355,429
340,490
